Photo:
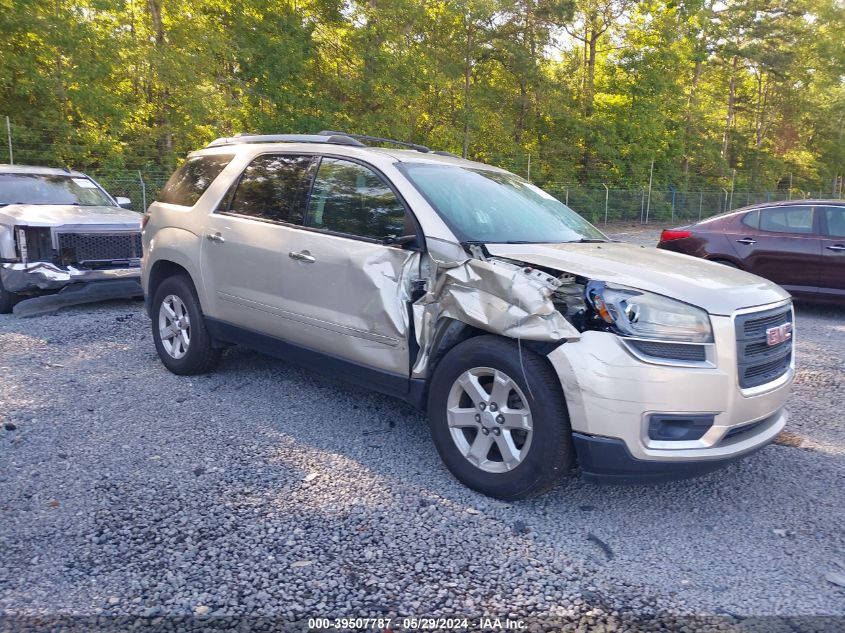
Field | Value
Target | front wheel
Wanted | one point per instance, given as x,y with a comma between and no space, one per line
7,300
499,420
179,332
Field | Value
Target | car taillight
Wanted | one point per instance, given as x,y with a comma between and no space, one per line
669,234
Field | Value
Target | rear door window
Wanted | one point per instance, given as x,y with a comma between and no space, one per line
352,199
190,181
787,220
272,187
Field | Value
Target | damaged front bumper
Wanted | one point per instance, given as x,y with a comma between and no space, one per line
613,397
34,276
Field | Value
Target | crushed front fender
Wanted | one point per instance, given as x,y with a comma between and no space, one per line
494,295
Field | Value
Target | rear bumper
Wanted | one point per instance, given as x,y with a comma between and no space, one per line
48,276
607,460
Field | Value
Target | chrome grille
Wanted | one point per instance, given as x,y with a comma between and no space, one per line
99,247
758,362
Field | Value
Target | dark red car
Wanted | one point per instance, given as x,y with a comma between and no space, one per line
799,244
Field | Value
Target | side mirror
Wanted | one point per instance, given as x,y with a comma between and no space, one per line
402,240
124,203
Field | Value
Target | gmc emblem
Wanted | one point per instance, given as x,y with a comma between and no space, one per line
778,334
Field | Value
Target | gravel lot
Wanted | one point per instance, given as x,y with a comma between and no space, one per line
267,490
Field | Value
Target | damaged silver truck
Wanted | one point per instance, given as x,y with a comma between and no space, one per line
60,231
536,345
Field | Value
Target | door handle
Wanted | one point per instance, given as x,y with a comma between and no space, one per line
304,256
836,247
747,241
216,237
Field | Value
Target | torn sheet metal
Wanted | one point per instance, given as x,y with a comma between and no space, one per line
17,277
390,272
493,295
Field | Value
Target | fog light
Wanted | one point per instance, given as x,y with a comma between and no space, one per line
678,428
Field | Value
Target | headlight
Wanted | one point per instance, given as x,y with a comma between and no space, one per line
643,314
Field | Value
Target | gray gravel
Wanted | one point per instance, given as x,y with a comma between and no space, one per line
266,490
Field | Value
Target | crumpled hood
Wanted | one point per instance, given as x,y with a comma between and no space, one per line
59,214
717,288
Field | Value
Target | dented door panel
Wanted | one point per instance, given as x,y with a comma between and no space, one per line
348,297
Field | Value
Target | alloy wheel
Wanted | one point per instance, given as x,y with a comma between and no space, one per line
489,419
174,326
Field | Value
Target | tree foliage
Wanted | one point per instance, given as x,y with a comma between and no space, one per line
592,90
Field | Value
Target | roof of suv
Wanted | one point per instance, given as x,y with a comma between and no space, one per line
40,171
339,143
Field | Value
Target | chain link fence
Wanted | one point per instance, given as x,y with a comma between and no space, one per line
598,205
142,188
607,205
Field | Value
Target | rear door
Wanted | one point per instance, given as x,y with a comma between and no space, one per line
832,278
247,239
782,245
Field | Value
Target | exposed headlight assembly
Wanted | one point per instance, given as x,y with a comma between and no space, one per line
642,314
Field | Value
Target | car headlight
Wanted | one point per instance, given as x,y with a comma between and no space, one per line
644,314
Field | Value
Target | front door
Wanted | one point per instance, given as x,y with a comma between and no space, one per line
832,282
349,288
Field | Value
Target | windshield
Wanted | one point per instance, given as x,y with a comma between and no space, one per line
49,189
488,206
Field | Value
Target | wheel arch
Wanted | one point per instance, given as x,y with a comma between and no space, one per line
161,270
722,259
451,332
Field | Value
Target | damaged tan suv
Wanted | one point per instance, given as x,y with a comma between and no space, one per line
535,343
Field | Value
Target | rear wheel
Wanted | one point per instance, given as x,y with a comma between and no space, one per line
499,421
179,332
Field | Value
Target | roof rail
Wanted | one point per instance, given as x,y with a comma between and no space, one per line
326,136
377,139
334,139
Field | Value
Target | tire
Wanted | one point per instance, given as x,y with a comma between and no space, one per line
543,456
7,300
188,350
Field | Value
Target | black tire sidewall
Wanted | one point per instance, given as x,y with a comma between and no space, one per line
200,345
7,300
551,454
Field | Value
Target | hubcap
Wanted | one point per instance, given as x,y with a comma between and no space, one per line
174,326
489,419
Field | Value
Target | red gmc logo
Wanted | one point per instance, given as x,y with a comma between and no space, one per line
779,334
